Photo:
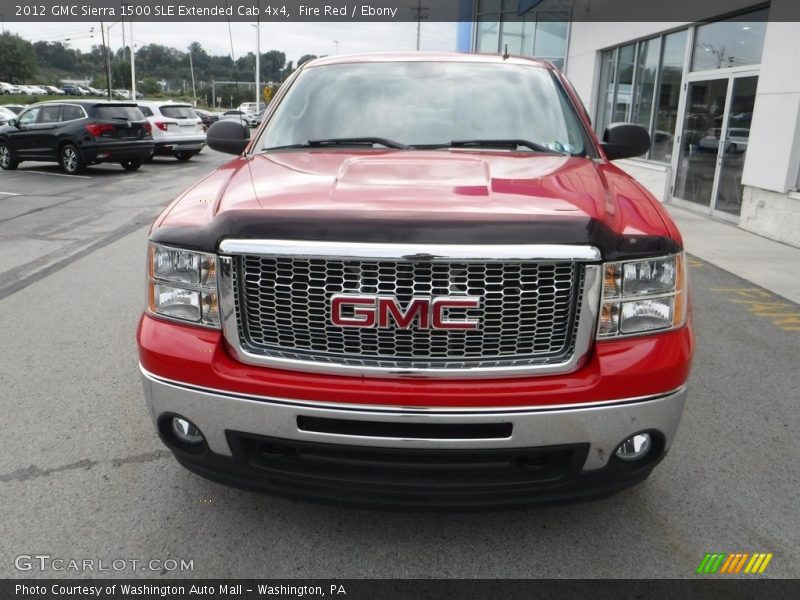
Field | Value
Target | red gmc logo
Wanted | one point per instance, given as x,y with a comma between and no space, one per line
383,311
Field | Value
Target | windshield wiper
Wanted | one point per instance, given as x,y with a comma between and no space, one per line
504,144
352,141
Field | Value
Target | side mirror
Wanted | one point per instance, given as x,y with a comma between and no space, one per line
13,123
625,140
230,136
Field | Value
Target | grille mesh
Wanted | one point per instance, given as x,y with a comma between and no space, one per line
528,311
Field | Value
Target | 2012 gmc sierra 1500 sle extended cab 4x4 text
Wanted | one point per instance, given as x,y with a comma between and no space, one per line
421,284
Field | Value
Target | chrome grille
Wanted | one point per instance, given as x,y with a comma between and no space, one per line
528,312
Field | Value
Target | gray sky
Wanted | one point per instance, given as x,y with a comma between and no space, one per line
295,39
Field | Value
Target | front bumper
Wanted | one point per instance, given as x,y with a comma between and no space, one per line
413,457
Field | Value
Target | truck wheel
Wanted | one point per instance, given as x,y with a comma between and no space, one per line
71,159
184,156
131,165
7,160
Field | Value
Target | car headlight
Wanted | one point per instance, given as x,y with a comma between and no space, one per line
643,296
182,285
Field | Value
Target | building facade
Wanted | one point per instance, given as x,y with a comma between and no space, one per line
719,95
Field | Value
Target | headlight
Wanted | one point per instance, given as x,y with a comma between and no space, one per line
182,285
641,296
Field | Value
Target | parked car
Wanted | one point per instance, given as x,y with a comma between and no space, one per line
239,115
77,133
8,89
15,108
258,118
208,118
735,143
72,90
51,89
177,130
252,107
125,94
85,91
37,90
423,282
6,115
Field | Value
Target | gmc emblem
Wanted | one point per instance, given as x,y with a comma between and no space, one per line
423,312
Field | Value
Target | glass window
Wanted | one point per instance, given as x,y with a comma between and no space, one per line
669,91
645,86
430,103
625,68
50,113
517,33
551,35
641,83
122,112
488,34
730,43
179,112
146,111
29,116
71,112
608,70
539,34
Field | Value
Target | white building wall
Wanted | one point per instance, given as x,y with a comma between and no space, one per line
772,166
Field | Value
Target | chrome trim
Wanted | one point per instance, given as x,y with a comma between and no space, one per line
584,335
603,426
411,252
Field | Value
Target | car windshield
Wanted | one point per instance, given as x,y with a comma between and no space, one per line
178,112
427,104
119,113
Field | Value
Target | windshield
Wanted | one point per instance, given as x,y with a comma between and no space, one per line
178,112
120,112
426,104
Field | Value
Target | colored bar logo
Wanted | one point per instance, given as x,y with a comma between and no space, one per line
734,563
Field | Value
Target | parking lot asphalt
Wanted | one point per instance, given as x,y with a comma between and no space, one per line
83,475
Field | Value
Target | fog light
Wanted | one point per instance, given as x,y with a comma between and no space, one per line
635,447
186,431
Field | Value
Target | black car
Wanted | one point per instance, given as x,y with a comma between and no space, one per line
77,133
208,118
72,90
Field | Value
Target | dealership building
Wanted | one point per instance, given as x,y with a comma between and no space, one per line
719,94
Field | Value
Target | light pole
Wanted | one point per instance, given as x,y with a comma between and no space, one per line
133,57
258,65
191,68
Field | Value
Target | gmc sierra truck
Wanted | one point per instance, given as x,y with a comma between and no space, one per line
422,283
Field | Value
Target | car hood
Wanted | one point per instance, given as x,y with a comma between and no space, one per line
455,196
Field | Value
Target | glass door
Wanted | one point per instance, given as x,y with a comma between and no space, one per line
713,143
734,147
700,141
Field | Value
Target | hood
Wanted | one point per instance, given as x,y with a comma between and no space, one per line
452,196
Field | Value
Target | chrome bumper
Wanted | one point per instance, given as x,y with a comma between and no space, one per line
602,426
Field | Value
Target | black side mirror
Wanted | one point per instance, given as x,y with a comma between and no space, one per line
13,123
229,135
625,140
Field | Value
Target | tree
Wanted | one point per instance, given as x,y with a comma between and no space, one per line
150,86
304,59
19,60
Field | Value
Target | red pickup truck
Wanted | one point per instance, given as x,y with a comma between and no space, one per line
422,283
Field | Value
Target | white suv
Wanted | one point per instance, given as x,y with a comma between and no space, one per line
252,107
177,130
